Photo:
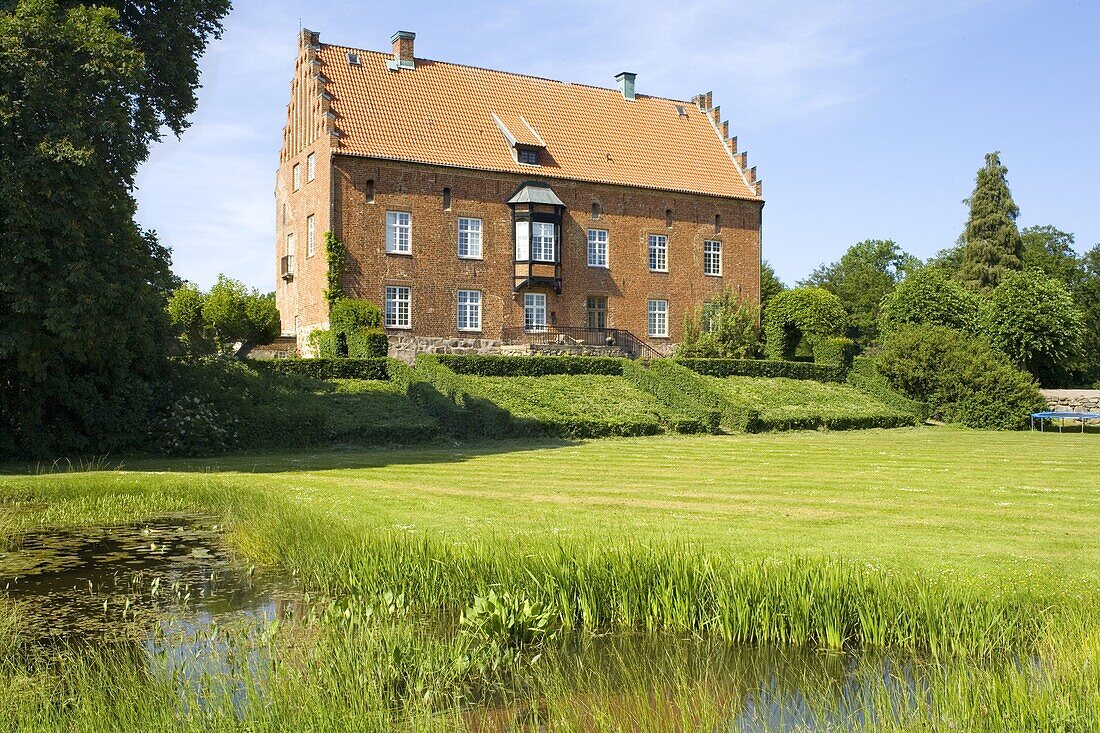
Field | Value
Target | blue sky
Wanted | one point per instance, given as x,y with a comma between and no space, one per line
865,119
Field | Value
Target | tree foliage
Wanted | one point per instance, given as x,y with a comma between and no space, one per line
83,91
725,328
802,313
356,329
992,240
1033,320
961,378
1050,251
770,286
928,297
863,276
216,322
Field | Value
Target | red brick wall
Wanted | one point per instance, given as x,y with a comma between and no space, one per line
434,271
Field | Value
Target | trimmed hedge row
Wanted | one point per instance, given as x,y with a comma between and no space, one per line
765,368
488,365
835,351
467,414
373,368
835,422
866,377
687,393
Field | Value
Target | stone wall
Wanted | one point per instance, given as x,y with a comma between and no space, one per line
561,350
406,347
1073,400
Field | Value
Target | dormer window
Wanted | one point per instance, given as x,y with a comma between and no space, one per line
527,156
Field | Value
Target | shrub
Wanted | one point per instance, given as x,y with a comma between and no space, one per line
1033,320
322,343
961,378
487,365
368,344
866,377
350,314
764,368
835,351
688,393
473,416
928,297
726,328
802,313
375,368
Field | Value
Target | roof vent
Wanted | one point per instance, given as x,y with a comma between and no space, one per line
626,84
353,59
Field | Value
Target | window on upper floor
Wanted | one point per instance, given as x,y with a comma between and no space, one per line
296,176
469,238
370,191
311,167
528,156
311,236
658,253
543,245
597,248
446,199
398,232
712,258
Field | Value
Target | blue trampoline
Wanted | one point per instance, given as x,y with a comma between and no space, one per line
1062,417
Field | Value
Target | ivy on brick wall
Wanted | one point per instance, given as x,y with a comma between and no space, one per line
337,256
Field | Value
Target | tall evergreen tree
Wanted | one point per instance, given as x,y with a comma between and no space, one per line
992,240
84,90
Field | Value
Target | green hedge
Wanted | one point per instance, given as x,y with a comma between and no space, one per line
835,351
764,368
375,368
835,422
483,365
866,377
470,416
687,393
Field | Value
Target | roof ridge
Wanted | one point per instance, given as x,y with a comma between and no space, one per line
611,90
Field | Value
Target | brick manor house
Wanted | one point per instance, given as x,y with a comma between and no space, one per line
483,207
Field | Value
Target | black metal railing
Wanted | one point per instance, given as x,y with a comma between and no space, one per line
581,336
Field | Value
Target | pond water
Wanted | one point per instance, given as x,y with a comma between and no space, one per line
163,590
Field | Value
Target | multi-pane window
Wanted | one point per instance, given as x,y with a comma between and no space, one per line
399,232
597,312
398,307
528,156
523,241
712,258
534,312
597,248
711,312
658,252
658,318
469,310
469,238
311,236
296,174
542,241
289,267
311,167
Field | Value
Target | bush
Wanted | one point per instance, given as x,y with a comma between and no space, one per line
368,344
322,343
1033,320
810,313
350,314
866,377
928,297
473,416
961,378
688,393
762,368
375,368
836,351
529,366
727,328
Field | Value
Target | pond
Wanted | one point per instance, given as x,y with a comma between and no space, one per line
164,593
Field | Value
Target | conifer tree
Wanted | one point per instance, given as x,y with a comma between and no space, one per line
992,245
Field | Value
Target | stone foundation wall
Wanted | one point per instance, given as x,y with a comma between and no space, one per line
406,348
1073,400
561,350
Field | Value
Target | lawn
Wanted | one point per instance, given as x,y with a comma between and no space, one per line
800,403
932,499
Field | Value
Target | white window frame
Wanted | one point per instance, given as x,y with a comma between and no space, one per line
657,319
398,306
311,235
296,176
523,241
311,167
544,241
469,238
712,258
399,232
597,248
658,253
534,312
469,310
290,247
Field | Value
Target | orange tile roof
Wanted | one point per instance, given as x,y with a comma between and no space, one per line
442,113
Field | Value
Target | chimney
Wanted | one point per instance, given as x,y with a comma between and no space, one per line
403,49
626,84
